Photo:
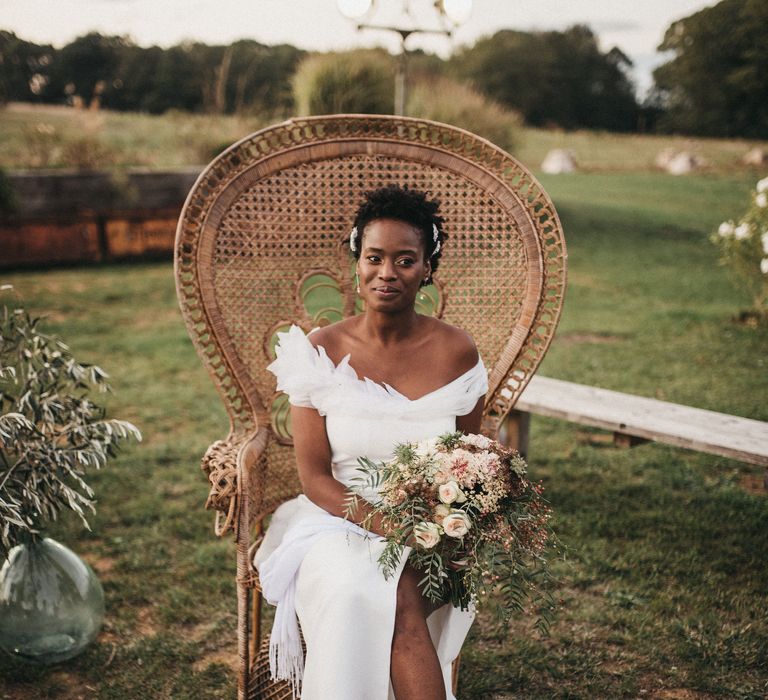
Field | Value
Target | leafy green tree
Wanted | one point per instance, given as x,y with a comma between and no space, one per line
260,77
24,68
176,83
131,87
553,77
85,66
717,82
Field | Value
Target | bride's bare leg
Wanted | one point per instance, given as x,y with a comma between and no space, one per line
416,673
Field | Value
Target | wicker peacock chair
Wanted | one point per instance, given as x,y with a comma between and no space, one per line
262,242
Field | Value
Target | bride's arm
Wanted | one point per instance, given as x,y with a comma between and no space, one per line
313,460
471,422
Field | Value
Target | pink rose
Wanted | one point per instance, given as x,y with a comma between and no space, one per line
456,524
450,492
440,512
427,535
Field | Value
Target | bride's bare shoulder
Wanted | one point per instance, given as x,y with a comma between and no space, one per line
335,337
454,344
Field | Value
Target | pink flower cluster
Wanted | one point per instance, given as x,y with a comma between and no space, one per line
465,504
462,481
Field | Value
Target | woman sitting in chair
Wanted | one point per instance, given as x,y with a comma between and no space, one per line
357,388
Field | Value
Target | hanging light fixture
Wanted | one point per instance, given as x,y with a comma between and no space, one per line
452,13
457,11
354,9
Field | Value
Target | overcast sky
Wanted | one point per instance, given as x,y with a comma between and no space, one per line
635,26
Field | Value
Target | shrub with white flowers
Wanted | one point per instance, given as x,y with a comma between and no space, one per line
744,248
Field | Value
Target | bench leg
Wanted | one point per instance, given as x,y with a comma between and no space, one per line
514,431
624,440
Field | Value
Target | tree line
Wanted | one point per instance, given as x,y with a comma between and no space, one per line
118,74
715,83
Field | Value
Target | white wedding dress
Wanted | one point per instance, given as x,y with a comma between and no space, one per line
345,606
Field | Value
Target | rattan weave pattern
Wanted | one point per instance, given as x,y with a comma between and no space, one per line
261,256
277,206
332,139
260,685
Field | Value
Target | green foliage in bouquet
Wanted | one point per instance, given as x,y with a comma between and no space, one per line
478,527
744,249
50,431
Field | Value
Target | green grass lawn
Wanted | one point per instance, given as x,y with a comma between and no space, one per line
663,586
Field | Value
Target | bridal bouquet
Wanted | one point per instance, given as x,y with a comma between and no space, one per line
478,526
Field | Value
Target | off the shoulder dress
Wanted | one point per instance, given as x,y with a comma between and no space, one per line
325,568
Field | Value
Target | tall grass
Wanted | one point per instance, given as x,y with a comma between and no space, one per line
451,102
354,82
62,137
35,136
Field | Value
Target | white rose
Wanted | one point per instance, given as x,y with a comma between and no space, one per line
479,441
764,241
456,524
726,229
427,535
764,266
426,448
741,232
440,512
762,185
761,200
450,492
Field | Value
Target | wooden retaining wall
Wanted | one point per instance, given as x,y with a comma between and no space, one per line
67,217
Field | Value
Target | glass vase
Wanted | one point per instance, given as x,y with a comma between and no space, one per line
51,603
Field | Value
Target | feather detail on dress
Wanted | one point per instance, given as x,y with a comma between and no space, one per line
311,379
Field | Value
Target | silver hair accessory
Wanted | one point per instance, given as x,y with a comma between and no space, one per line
352,236
435,234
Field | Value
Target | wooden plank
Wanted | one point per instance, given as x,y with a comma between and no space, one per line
684,426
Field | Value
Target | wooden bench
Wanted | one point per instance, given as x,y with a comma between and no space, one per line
635,419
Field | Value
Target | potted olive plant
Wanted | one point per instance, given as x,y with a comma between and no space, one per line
51,433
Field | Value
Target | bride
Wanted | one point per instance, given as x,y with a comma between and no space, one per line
357,388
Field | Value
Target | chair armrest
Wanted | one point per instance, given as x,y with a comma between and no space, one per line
222,463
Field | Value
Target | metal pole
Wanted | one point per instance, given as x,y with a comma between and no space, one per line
400,77
401,69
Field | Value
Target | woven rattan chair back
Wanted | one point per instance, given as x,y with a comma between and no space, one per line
262,242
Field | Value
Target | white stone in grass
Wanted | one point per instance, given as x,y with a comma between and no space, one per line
762,200
558,161
762,185
683,163
755,156
764,242
764,266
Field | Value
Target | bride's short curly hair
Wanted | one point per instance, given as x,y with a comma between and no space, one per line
404,204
